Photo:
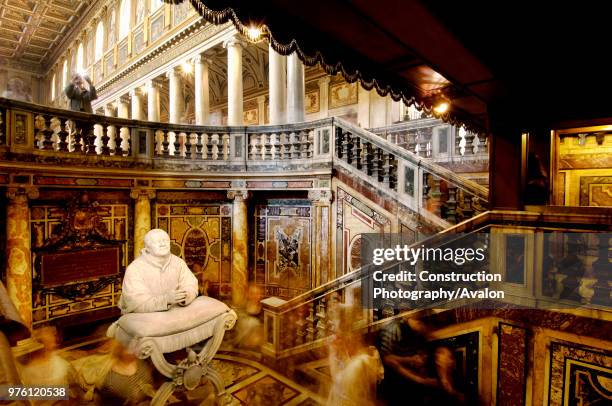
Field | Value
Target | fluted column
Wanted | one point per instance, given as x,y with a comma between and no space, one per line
136,96
202,87
142,216
18,251
153,103
295,89
240,262
321,252
234,81
176,102
278,86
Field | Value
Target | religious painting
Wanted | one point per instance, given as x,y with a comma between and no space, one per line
311,102
111,30
157,27
250,117
342,94
17,88
140,10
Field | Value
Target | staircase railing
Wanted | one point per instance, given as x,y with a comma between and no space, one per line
547,241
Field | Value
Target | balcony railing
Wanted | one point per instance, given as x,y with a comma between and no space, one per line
32,132
563,265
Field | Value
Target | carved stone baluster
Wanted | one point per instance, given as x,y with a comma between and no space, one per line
386,157
304,144
376,163
128,142
369,159
339,142
435,194
253,155
88,138
286,146
347,147
265,146
392,172
225,139
198,145
601,270
273,148
62,135
358,152
177,145
105,149
311,137
451,205
189,142
165,144
205,147
475,144
295,145
47,143
214,140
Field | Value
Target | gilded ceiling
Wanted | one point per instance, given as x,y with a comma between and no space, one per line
29,30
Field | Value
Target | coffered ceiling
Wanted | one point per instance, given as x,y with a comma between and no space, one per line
30,30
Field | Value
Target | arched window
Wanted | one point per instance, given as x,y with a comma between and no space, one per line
99,48
65,74
124,18
155,4
53,87
80,63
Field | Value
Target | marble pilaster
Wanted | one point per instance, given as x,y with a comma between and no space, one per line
18,250
321,253
202,90
136,96
123,108
240,261
153,100
142,216
295,89
278,86
234,82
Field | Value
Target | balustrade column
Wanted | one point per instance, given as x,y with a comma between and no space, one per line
18,251
142,216
321,253
136,96
240,227
202,86
153,101
176,102
278,86
234,82
295,89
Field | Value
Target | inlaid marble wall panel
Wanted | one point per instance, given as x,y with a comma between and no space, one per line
46,224
202,236
283,235
354,215
579,375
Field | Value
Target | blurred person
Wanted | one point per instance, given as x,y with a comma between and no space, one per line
46,367
81,92
355,368
249,328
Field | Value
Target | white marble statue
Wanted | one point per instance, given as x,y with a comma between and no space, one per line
157,280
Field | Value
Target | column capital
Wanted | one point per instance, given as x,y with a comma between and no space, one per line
173,71
141,193
238,195
261,99
320,196
202,59
154,83
123,99
234,41
324,80
21,194
136,92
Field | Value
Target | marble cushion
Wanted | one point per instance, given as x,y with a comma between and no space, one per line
173,321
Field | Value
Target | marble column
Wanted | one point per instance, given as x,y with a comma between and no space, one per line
153,101
240,260
295,89
202,87
234,82
109,110
176,102
136,97
321,252
18,251
123,107
261,109
277,79
142,216
324,97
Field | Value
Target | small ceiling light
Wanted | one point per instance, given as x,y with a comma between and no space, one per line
186,67
254,33
442,107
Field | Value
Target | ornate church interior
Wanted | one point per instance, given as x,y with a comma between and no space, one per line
187,187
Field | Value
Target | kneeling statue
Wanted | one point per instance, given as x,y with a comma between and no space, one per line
157,280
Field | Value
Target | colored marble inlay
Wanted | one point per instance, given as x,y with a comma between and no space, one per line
512,364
